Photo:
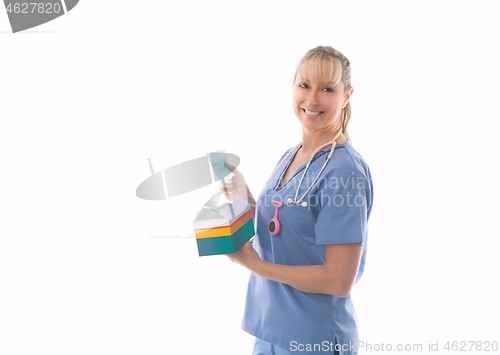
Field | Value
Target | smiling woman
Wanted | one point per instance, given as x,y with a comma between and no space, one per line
321,90
303,271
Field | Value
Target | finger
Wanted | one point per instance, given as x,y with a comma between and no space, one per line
232,169
227,184
226,190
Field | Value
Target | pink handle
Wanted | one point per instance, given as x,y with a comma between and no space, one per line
275,219
277,204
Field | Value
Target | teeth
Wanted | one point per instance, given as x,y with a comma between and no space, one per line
312,113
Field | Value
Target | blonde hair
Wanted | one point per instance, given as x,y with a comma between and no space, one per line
340,70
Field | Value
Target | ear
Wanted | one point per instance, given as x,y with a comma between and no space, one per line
349,93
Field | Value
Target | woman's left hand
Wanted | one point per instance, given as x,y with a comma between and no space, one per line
246,256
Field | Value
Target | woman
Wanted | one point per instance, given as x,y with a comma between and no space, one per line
305,264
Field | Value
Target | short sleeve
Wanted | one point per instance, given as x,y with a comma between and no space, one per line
344,210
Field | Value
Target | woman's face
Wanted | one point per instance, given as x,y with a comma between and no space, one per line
318,104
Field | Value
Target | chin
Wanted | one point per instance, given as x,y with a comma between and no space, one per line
311,125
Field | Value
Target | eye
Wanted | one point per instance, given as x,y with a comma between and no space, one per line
328,89
302,85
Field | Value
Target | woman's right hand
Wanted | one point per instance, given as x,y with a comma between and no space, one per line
236,186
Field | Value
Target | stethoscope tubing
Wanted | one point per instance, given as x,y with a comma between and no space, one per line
333,143
310,187
274,224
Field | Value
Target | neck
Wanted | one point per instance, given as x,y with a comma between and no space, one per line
312,140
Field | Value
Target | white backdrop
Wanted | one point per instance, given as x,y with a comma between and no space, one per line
86,267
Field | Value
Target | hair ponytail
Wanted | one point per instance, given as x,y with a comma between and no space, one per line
345,117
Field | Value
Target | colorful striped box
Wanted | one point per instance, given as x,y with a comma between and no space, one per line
216,234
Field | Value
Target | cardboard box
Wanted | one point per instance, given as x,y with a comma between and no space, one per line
223,228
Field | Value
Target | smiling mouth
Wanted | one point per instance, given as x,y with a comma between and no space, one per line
312,113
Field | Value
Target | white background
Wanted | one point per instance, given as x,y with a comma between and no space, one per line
86,267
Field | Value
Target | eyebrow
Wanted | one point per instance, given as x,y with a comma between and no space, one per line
324,82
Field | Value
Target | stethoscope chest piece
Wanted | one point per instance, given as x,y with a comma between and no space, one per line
274,224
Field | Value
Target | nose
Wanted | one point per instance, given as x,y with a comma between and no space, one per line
312,98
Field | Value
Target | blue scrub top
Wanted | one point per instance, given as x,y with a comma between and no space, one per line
339,206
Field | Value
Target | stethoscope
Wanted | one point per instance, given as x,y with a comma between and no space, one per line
274,224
